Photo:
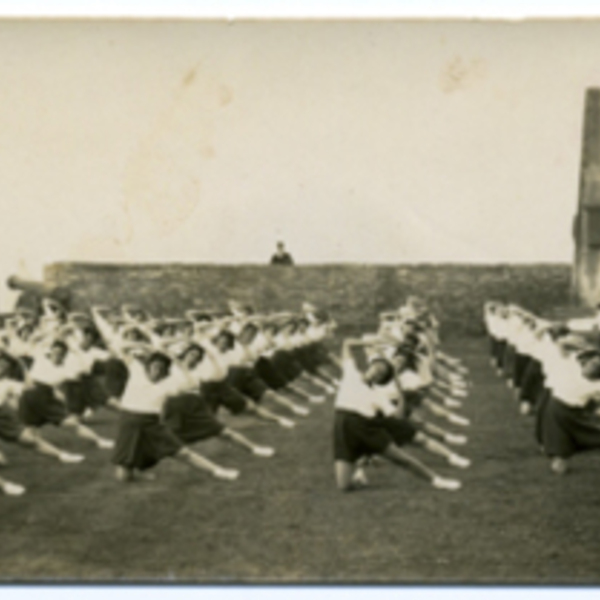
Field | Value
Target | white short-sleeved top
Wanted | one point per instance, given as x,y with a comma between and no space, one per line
411,381
316,333
500,328
182,380
82,361
212,368
144,396
45,371
257,347
20,347
235,357
570,386
354,395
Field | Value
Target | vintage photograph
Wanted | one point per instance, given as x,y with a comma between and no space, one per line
300,301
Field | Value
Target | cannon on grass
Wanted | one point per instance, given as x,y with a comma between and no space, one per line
33,292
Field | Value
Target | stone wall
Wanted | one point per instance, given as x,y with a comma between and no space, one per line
354,294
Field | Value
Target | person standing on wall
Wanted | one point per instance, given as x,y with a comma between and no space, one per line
282,257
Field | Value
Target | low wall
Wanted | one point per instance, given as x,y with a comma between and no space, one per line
355,294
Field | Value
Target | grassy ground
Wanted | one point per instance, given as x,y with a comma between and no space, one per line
283,520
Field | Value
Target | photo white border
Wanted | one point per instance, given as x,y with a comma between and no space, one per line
302,9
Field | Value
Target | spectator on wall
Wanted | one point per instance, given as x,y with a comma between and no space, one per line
282,257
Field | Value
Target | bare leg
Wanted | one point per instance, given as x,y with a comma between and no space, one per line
336,361
84,432
124,474
447,388
399,457
343,475
328,374
305,394
448,401
321,385
242,440
11,489
438,448
440,411
267,415
559,465
359,477
442,434
31,438
202,463
451,362
283,401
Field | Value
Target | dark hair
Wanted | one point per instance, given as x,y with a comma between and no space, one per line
591,368
202,317
303,322
270,326
60,344
191,347
388,375
559,330
415,324
91,331
228,336
158,356
411,340
249,329
321,316
408,352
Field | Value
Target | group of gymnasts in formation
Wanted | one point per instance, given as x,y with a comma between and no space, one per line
167,379
394,382
554,369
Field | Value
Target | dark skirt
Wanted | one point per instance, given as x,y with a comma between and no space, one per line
309,357
402,430
412,400
508,361
532,382
10,427
113,375
355,436
269,374
75,394
500,353
86,392
540,406
190,418
220,393
567,430
520,363
143,441
38,406
17,368
246,381
285,362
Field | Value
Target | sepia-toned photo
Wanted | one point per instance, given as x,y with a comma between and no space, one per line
300,301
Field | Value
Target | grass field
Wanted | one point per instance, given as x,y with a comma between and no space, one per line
283,521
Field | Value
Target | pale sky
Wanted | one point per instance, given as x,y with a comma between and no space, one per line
375,142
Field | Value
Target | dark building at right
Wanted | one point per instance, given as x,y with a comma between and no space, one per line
586,229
